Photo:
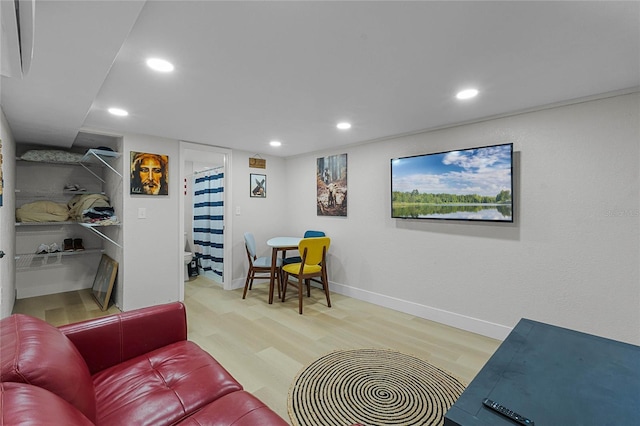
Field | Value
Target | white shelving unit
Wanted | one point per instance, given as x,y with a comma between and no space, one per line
90,226
26,262
38,181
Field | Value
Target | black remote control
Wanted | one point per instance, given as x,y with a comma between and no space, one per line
508,413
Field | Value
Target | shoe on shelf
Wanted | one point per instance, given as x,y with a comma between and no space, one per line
42,249
68,244
77,244
74,187
54,248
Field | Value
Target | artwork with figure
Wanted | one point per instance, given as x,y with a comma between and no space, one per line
1,181
149,173
332,185
258,185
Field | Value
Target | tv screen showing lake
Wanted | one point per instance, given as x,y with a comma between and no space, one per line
470,184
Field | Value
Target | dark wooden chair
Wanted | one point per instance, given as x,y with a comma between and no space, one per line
259,266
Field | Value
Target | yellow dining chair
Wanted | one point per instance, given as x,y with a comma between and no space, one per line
297,259
313,264
258,266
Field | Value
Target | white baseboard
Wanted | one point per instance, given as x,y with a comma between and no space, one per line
463,322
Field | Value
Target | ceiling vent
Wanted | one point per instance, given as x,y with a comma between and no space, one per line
18,17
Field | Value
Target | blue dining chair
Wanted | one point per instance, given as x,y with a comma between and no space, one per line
307,234
258,266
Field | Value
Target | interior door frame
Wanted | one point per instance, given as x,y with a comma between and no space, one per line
190,151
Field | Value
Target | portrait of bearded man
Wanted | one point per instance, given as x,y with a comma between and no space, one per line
149,173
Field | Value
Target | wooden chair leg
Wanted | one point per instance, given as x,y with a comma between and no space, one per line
325,286
285,281
300,288
246,284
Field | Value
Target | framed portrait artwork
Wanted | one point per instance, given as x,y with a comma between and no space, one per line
149,173
103,282
257,185
1,181
331,191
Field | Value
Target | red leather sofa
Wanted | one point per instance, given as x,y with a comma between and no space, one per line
134,368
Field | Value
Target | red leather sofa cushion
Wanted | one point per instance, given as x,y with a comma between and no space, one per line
22,404
37,353
107,341
237,409
161,387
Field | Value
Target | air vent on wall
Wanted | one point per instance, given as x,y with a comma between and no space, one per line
18,18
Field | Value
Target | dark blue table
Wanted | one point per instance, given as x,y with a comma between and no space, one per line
555,377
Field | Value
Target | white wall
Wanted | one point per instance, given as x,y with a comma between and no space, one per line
114,188
152,269
264,217
150,273
7,220
571,258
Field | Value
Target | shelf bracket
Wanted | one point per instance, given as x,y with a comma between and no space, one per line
101,234
98,154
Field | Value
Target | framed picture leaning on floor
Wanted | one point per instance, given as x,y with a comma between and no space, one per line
103,282
1,181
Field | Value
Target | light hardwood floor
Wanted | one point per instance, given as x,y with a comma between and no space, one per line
265,346
62,308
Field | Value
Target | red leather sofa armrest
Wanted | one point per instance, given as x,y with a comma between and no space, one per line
107,341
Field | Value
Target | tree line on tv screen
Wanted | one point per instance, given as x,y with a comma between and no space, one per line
414,197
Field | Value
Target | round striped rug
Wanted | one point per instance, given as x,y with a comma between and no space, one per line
371,387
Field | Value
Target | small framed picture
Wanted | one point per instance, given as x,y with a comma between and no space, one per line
257,185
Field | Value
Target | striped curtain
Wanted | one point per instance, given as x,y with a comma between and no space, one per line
208,222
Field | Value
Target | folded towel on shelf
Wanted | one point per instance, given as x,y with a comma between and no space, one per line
42,211
81,202
100,216
98,213
113,220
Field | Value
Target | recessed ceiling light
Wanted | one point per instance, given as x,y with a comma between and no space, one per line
344,125
158,64
467,94
275,143
118,111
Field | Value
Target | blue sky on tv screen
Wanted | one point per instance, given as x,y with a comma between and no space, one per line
482,171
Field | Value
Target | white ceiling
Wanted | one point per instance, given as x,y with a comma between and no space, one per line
250,72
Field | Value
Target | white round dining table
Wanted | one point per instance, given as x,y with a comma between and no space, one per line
279,244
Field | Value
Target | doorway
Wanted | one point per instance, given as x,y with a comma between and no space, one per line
199,161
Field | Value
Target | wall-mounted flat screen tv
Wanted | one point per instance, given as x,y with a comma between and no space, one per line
466,184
